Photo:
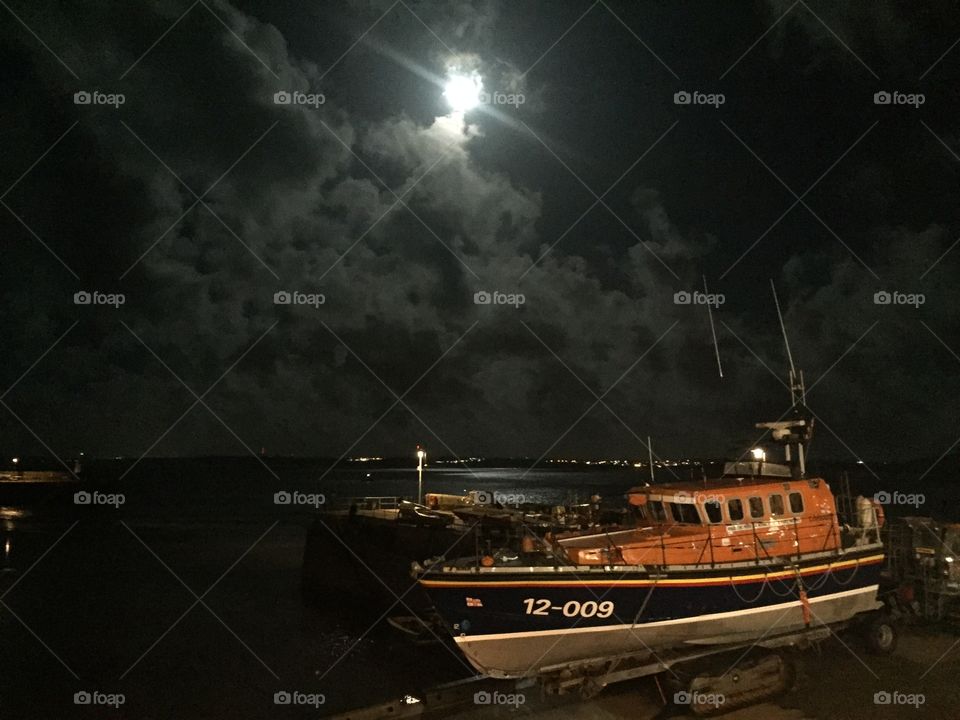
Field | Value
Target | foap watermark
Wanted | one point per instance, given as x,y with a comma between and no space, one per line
885,697
485,497
483,297
95,97
295,497
295,297
683,297
96,497
502,98
696,97
296,97
896,97
95,697
95,297
898,498
295,697
485,697
885,297
685,697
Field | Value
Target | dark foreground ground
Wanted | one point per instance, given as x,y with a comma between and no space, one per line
187,601
113,607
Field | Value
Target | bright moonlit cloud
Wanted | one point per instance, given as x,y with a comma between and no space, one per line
463,91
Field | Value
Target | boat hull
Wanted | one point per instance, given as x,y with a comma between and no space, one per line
511,628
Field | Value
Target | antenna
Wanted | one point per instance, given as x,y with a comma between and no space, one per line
650,455
798,431
783,328
797,391
713,331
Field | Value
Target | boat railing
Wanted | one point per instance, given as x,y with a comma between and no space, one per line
836,538
810,533
376,502
815,526
384,507
782,539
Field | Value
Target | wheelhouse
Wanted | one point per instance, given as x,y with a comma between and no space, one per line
754,512
730,504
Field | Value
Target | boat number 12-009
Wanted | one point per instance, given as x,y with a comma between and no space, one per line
571,608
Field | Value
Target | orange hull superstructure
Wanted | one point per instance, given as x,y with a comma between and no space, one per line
720,521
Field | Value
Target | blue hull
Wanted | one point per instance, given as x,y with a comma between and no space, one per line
515,622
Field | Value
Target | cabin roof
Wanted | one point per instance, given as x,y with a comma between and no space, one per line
723,483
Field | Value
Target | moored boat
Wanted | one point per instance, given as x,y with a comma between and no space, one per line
364,548
522,614
754,554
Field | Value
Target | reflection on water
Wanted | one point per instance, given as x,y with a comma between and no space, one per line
8,515
6,567
11,521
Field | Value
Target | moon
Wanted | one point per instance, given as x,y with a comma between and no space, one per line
462,91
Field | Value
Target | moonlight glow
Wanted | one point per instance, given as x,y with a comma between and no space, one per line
463,91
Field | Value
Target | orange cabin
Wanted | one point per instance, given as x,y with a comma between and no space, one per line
733,519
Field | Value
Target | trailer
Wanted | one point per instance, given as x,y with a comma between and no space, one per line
923,568
703,678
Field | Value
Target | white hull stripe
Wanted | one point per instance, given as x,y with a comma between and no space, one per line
599,580
661,623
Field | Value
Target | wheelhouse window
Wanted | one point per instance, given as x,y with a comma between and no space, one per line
776,505
656,510
713,511
796,503
684,513
735,509
756,507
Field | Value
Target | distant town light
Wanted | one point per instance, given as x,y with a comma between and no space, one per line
15,460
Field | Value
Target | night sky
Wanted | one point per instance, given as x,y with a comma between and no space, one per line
598,199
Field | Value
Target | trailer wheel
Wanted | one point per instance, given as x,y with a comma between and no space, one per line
881,635
590,689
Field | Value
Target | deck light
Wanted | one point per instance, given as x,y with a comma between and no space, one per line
421,456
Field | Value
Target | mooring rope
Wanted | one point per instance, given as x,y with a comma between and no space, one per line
853,574
820,583
763,586
788,593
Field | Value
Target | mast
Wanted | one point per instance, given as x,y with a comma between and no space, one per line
799,431
713,330
650,454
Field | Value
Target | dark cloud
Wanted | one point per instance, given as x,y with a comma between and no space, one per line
305,198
